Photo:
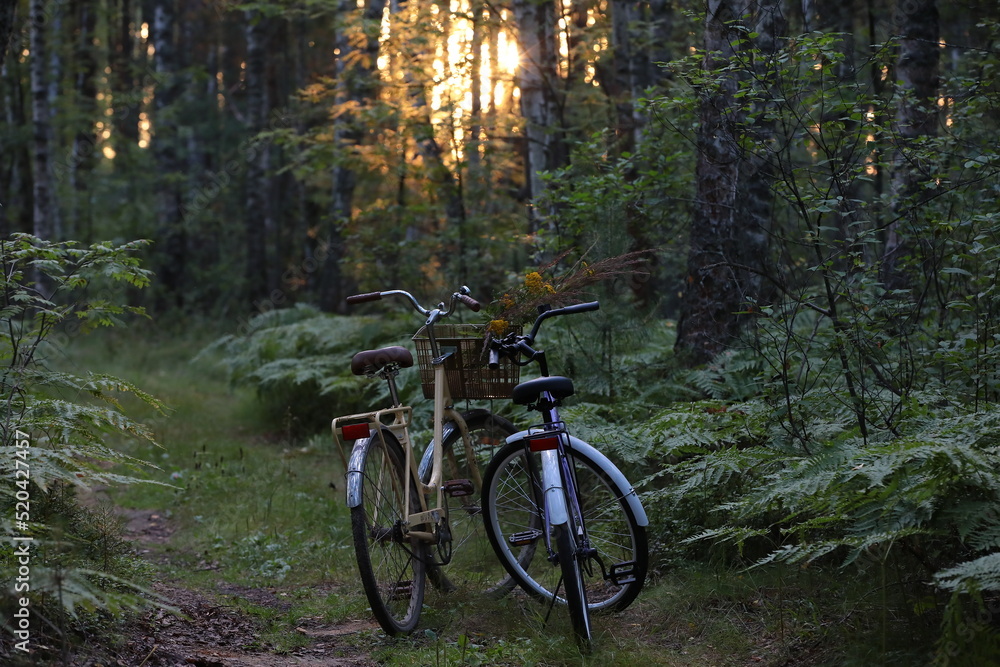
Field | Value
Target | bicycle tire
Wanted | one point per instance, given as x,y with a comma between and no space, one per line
512,507
573,582
392,568
473,566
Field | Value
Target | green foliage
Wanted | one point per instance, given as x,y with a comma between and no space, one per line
969,635
298,360
858,426
50,292
55,425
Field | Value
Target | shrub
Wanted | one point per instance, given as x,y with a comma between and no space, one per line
54,427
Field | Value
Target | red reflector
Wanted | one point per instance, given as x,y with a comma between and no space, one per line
543,444
355,431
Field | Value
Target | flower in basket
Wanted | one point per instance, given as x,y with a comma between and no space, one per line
518,306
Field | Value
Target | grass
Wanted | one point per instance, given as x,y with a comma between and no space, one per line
261,521
251,508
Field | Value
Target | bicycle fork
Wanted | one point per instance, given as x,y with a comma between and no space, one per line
556,494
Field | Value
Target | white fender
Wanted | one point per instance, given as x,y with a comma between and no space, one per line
552,491
354,476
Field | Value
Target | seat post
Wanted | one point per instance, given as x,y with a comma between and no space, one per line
389,374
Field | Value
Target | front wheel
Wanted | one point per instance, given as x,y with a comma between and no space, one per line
617,558
571,565
391,565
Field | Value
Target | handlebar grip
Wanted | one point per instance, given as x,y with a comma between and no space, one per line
581,307
494,362
362,298
473,305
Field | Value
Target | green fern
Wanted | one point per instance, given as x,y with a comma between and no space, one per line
982,573
969,637
59,423
733,375
298,361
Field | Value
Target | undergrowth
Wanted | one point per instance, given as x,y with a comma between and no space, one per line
69,568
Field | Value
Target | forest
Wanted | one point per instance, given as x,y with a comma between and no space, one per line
789,211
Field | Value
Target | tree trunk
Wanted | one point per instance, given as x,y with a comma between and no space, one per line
85,141
8,10
17,212
474,141
44,204
660,36
630,70
716,286
12,160
127,98
255,215
171,237
575,22
757,170
357,85
446,186
916,116
537,76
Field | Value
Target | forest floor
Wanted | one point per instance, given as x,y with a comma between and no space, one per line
208,626
208,630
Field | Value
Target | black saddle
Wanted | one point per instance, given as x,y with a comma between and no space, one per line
528,392
375,360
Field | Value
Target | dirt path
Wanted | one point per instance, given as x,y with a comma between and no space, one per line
211,630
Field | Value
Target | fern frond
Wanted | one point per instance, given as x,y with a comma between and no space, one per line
983,573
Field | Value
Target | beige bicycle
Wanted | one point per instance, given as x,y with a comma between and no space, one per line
413,518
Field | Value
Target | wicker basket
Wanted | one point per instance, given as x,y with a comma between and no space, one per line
467,371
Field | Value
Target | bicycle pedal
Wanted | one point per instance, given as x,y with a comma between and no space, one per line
525,538
622,573
458,488
402,591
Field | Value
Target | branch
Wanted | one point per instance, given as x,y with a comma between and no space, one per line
777,283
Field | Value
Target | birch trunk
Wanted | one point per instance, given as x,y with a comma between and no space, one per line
537,76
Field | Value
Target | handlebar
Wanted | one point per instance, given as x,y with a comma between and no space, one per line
432,314
566,310
514,346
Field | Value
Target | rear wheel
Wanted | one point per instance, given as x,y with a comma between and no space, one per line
472,565
615,565
391,565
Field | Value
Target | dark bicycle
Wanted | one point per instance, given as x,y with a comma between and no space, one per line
564,520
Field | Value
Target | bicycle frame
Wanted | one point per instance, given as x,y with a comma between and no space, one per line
399,427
